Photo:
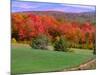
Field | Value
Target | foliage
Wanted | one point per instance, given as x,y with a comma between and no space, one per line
28,26
61,44
40,42
13,40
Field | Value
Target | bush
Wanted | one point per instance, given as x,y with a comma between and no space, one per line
61,45
13,40
40,42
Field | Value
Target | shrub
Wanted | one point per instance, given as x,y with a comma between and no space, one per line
40,42
61,45
13,40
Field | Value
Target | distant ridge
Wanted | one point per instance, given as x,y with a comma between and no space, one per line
82,17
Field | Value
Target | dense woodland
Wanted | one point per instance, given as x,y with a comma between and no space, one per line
79,31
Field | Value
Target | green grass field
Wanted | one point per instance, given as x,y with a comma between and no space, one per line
28,60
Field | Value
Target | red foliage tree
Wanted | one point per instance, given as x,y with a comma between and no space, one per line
28,26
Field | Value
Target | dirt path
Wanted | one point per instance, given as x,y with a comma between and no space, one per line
86,66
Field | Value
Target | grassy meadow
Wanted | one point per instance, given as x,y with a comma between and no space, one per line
28,60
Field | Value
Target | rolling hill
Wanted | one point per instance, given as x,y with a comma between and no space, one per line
78,17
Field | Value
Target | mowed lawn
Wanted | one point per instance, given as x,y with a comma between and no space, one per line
28,60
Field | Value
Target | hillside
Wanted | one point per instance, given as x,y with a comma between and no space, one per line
78,17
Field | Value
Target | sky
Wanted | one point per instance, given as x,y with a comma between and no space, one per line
20,6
